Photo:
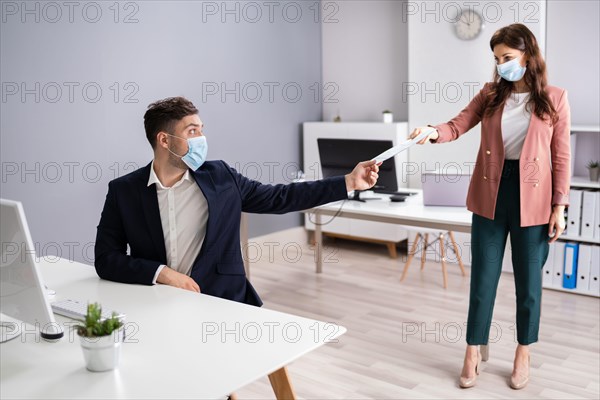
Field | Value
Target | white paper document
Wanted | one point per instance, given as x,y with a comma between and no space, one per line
402,146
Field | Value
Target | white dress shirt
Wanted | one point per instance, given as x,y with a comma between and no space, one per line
183,214
515,123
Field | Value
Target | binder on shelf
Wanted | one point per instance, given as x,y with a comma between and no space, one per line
595,271
597,218
548,267
570,272
588,214
559,263
574,218
584,262
573,152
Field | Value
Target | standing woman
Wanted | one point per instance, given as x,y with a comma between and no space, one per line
520,184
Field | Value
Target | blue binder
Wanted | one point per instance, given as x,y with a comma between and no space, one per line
570,267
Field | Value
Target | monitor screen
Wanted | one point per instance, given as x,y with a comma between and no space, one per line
22,292
340,156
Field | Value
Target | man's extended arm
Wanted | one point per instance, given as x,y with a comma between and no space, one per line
280,199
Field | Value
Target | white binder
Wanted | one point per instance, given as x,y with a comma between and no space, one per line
584,264
548,267
574,213
595,271
597,218
559,263
588,214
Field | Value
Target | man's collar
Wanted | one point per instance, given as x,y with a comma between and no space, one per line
154,178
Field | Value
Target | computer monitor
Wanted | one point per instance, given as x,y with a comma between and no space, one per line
22,291
340,156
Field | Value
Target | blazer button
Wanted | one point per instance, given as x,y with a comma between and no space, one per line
536,159
536,185
485,178
488,152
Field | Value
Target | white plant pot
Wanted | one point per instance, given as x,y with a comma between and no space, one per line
388,118
102,353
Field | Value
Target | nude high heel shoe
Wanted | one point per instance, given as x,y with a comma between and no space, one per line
520,381
466,383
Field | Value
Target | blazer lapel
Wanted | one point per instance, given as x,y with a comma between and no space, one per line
208,188
534,125
496,143
152,214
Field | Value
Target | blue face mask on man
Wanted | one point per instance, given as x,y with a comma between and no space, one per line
511,70
196,154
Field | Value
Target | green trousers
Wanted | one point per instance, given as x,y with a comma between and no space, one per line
529,254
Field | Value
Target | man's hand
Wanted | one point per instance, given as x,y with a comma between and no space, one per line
363,177
556,225
169,276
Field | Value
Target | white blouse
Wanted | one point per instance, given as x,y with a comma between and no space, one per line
515,122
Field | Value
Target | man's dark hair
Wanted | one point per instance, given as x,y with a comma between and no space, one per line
162,115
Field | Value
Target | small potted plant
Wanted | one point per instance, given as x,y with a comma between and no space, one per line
100,339
388,117
594,167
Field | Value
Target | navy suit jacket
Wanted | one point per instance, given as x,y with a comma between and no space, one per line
131,217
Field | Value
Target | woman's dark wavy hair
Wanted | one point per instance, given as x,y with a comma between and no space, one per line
518,36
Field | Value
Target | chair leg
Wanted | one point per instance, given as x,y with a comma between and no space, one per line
411,255
282,387
424,251
443,253
455,246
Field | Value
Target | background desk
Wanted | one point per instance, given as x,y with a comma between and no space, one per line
169,351
412,212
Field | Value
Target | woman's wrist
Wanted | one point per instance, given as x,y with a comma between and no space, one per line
558,207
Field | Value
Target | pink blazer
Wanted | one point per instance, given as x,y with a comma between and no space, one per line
545,163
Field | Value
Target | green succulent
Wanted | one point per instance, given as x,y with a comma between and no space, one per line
593,164
95,326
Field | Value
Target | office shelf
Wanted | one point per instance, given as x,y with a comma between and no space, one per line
579,239
584,183
574,291
585,140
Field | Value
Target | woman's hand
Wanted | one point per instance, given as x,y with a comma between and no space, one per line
556,225
433,136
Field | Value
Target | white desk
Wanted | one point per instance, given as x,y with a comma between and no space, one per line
412,212
170,351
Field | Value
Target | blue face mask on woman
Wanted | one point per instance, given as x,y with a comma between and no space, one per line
511,70
196,154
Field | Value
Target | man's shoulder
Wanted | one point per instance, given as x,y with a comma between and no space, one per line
134,177
214,167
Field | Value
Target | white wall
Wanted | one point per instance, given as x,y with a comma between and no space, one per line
365,50
573,56
445,72
58,153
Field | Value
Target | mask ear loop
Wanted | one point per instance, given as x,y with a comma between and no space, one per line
175,154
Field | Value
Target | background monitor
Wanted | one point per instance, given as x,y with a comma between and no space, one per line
340,156
22,291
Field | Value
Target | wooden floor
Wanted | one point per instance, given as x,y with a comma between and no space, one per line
407,340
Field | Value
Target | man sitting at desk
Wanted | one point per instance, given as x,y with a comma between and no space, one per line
181,215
